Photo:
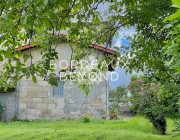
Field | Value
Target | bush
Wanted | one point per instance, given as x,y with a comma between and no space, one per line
169,95
144,99
118,98
177,121
114,109
86,120
177,128
156,116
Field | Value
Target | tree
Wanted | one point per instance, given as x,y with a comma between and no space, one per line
43,20
145,99
118,99
117,94
146,53
172,48
39,23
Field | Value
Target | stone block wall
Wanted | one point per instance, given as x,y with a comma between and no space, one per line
9,102
35,101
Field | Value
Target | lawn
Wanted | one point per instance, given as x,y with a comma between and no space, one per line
137,128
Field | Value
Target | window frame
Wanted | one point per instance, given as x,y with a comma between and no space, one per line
60,89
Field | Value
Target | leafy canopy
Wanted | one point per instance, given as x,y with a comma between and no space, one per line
40,23
172,47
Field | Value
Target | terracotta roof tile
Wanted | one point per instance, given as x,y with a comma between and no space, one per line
97,47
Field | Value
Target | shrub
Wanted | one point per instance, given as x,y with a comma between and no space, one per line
86,120
119,94
114,108
177,121
169,95
118,98
144,99
156,116
177,128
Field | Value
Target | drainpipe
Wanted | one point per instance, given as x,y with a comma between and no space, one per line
107,99
18,93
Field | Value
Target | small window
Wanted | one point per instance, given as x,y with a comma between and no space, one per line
58,91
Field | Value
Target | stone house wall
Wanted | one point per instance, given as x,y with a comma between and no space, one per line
9,102
35,100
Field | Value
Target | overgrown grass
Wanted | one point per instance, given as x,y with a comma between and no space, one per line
137,128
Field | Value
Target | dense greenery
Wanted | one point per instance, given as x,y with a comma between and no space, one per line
172,47
154,100
147,96
146,53
143,89
40,23
154,48
144,99
117,94
138,128
158,92
117,98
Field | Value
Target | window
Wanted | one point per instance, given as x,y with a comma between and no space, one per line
58,91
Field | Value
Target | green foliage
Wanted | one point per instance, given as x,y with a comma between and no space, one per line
156,115
177,128
117,97
119,94
114,108
145,99
2,90
40,23
172,48
144,89
169,96
86,120
146,51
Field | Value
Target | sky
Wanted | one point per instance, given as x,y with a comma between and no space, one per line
124,78
120,40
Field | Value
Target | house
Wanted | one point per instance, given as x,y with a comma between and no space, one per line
33,101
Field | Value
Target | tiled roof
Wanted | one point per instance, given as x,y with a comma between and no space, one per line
97,47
